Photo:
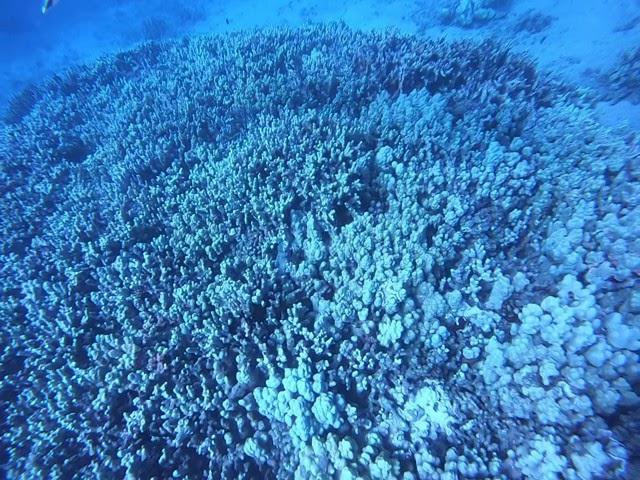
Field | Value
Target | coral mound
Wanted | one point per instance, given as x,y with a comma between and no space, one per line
316,253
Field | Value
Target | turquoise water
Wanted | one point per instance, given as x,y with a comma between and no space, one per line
320,240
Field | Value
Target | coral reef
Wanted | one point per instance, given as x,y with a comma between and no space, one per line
316,253
532,22
622,81
469,13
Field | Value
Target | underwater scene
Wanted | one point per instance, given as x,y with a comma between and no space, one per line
307,239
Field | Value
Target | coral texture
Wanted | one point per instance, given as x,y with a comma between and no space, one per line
468,13
316,253
622,81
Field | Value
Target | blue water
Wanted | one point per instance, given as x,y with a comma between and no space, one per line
320,240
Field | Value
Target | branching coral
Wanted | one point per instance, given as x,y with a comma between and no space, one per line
301,253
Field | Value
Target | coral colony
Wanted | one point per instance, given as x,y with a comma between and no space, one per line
317,254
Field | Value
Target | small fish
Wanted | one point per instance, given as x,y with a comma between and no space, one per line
48,4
